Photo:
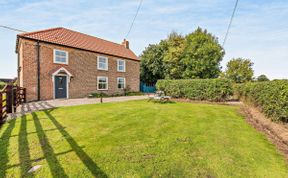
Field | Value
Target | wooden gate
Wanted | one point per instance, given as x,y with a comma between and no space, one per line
147,87
11,97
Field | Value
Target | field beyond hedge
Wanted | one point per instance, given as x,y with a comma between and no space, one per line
137,139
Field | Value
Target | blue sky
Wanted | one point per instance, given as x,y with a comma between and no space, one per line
259,30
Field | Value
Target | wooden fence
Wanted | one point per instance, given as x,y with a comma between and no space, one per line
10,98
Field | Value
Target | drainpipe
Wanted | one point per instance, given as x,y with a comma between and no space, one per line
18,69
38,70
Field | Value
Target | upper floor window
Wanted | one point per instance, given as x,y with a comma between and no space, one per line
120,65
102,63
60,57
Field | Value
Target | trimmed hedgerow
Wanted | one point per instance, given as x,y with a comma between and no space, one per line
197,89
270,97
2,85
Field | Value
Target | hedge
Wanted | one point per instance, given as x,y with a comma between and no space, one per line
2,85
270,97
197,89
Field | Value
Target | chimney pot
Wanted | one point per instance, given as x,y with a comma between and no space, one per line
125,43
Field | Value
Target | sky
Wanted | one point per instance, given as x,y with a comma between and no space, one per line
259,30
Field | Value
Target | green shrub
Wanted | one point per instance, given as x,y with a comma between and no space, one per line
98,95
134,93
270,97
104,95
197,89
2,85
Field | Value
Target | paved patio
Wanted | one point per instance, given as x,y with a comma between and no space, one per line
48,104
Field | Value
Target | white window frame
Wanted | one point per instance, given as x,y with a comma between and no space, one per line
118,62
98,64
124,82
54,57
98,82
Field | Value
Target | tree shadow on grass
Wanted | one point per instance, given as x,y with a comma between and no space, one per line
23,148
83,156
54,165
24,152
4,145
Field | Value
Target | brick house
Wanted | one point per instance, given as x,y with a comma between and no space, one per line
61,63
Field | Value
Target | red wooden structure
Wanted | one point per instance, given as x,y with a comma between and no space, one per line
11,96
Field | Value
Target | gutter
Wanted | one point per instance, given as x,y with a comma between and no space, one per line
38,69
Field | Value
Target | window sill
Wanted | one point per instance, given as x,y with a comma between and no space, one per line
103,69
60,63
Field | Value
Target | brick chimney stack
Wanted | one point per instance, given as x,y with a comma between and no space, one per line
125,43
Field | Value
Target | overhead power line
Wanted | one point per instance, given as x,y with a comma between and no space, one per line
230,23
131,26
13,29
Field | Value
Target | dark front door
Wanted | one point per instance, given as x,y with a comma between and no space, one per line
60,87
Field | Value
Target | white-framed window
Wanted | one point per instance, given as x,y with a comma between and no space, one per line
121,66
102,63
60,57
121,84
102,83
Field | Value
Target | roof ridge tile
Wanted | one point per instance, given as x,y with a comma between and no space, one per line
39,31
75,39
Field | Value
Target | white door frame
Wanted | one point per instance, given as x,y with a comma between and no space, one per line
67,86
68,77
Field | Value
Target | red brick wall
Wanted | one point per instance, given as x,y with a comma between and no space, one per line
82,65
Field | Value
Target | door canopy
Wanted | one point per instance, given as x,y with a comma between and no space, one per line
62,71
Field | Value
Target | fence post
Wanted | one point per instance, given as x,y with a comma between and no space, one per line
1,107
15,98
9,98
24,94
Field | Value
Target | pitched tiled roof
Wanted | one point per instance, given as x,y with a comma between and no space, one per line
66,37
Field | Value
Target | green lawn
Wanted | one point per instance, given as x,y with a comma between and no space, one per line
138,139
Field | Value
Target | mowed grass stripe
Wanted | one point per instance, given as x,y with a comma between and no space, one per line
141,139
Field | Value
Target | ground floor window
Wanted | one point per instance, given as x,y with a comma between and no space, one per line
121,82
102,83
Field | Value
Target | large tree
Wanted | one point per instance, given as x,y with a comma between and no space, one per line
173,57
262,78
196,55
239,70
151,65
202,55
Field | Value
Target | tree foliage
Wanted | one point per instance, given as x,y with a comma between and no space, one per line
151,65
203,55
196,55
262,78
173,57
239,70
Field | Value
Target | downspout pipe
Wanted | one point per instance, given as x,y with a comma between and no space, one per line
38,70
18,68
